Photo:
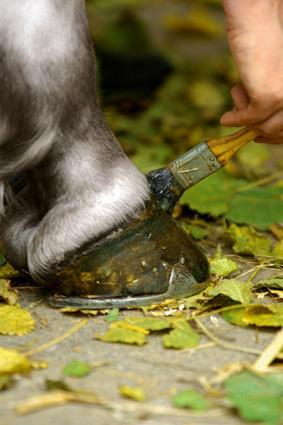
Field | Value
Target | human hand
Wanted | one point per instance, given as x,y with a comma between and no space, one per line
255,36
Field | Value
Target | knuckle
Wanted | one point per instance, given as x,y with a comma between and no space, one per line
268,130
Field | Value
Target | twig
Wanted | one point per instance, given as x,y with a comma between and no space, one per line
270,353
224,344
59,398
60,338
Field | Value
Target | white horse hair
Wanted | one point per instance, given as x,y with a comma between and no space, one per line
79,182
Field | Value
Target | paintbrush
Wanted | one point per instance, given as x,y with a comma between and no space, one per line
168,184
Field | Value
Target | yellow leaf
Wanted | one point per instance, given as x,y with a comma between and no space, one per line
248,241
13,362
221,266
8,294
134,393
129,326
8,271
15,321
270,315
124,336
151,323
278,250
198,21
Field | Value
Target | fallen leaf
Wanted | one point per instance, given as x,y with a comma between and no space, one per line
151,323
214,194
278,250
9,295
127,325
12,362
77,369
198,233
233,289
14,320
133,393
5,382
182,336
124,336
275,282
248,241
223,194
191,399
270,315
221,266
257,398
277,230
260,207
72,310
113,315
8,272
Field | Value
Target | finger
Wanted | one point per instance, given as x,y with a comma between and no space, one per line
273,126
240,97
244,117
249,116
274,141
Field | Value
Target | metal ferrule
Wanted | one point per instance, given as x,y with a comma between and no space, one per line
194,166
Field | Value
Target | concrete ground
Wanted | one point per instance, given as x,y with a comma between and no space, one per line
157,370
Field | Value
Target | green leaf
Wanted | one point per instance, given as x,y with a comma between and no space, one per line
113,315
275,282
77,369
3,260
223,194
270,315
151,323
233,289
257,398
259,207
214,194
133,393
124,336
198,233
150,158
183,336
191,399
221,266
248,241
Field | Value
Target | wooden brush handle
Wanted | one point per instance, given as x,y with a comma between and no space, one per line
226,147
